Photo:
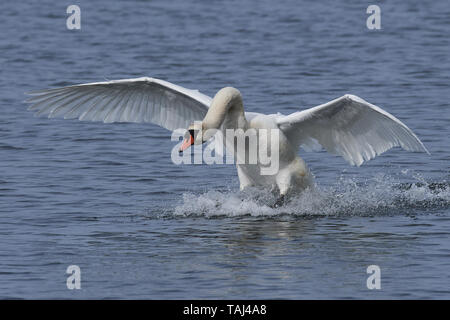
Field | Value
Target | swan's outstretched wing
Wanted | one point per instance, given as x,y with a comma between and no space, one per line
350,127
129,100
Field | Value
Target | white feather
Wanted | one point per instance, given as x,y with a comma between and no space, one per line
350,127
129,100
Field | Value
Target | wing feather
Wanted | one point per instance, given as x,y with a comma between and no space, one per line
350,127
129,100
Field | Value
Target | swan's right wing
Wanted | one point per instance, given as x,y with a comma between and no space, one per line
129,100
350,127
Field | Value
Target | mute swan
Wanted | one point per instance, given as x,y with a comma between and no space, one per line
347,126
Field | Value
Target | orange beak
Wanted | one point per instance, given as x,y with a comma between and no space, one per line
187,143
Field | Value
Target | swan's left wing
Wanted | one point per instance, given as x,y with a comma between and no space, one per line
350,127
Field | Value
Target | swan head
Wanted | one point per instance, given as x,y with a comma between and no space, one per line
193,136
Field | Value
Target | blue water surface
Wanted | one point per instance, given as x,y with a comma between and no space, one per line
108,198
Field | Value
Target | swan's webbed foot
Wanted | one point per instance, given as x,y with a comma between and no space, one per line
281,201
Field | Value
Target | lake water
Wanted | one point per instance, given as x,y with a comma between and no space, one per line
108,198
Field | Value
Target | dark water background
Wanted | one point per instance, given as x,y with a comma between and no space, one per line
108,198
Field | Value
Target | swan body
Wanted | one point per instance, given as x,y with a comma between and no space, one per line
227,112
347,126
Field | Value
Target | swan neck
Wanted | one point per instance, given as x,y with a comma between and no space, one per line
226,110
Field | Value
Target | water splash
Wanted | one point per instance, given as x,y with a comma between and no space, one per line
380,195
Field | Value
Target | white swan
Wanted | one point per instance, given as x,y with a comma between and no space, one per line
347,126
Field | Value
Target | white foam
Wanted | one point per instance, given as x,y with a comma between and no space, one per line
380,195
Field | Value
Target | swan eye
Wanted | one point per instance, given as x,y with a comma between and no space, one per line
189,133
193,133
